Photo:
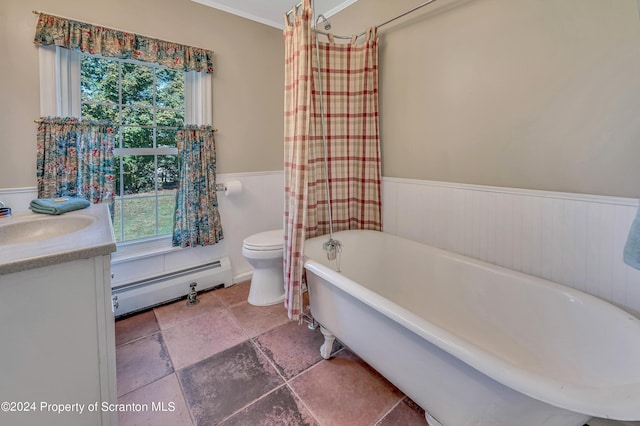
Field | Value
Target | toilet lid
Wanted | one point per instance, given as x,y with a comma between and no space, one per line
269,240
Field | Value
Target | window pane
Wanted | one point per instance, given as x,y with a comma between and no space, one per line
98,79
138,174
137,137
169,118
117,160
139,217
99,112
167,172
137,116
170,88
137,84
166,207
117,223
166,138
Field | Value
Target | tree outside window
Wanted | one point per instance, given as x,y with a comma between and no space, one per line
147,102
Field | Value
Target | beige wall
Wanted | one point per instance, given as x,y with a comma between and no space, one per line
542,94
538,94
247,83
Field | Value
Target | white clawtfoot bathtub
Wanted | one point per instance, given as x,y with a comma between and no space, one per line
473,343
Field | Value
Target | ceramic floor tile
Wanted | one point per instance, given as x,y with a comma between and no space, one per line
237,384
218,386
406,413
141,362
136,326
202,336
177,312
345,391
159,403
255,320
235,294
293,348
280,407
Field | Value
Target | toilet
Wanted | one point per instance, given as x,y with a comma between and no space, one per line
264,252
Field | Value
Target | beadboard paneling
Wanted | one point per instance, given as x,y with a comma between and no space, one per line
572,239
257,208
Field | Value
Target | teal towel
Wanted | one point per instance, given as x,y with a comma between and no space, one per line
632,247
57,205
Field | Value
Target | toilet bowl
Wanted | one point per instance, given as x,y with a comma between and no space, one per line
264,252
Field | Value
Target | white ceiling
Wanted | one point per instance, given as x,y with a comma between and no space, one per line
271,12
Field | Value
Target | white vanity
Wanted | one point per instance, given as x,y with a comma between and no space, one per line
57,356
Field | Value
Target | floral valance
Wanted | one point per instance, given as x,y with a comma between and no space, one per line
75,35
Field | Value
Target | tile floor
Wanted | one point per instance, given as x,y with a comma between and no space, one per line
226,362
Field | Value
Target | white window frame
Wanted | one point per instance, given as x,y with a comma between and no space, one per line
59,72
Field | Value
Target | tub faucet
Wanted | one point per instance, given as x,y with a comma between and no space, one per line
4,210
332,247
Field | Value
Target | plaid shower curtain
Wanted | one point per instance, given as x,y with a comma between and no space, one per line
349,75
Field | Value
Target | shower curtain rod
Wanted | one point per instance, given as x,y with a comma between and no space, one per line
420,6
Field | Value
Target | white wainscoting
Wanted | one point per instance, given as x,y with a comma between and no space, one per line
18,198
572,239
257,208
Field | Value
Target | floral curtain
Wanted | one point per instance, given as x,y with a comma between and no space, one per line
197,219
75,159
94,39
349,80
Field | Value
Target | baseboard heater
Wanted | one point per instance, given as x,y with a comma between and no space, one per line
156,290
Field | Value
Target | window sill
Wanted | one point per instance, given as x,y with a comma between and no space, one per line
127,252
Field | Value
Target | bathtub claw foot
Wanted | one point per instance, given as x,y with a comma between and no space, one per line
327,346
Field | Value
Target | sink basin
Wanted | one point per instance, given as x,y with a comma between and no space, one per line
29,240
36,229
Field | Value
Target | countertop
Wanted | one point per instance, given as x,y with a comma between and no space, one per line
94,240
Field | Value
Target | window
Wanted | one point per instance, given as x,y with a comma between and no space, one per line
147,102
149,113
